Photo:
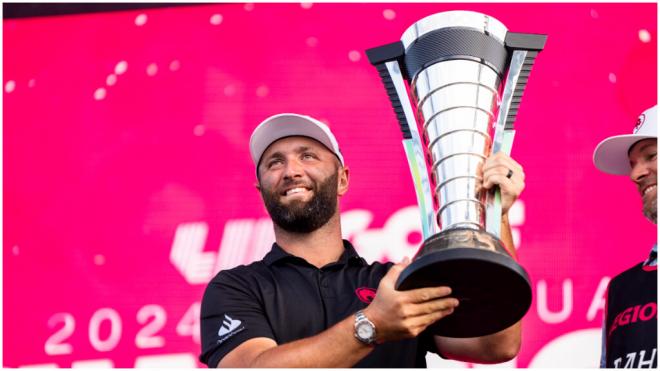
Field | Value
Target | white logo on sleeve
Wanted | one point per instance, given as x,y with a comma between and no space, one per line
228,325
229,328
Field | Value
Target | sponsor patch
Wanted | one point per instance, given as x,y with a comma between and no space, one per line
365,294
229,328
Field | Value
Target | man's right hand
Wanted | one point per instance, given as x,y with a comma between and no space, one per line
405,314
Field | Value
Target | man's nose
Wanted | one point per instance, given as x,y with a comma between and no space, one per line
639,171
293,169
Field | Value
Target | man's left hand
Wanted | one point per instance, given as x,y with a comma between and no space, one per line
503,171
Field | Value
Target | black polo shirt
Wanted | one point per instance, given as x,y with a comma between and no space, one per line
631,319
284,298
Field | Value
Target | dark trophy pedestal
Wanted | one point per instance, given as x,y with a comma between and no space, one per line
493,290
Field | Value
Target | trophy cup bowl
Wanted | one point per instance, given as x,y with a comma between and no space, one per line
445,81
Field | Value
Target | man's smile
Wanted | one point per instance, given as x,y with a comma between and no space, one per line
649,189
295,191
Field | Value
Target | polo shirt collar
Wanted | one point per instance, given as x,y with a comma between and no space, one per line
652,260
349,256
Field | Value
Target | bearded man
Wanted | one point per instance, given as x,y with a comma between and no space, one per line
630,331
300,305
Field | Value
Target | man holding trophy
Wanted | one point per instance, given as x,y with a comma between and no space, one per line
311,301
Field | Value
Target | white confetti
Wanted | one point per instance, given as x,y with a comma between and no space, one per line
99,259
216,19
10,86
99,94
354,56
141,20
644,35
199,130
121,67
152,69
111,79
612,77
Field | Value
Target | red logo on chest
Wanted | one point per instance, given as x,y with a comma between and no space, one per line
365,294
633,314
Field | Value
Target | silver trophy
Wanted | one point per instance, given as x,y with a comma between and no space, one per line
444,79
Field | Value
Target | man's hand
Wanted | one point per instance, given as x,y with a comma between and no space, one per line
405,314
495,170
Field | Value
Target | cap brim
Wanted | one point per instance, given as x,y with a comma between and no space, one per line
286,125
611,155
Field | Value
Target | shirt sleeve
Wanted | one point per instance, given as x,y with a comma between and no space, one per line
231,313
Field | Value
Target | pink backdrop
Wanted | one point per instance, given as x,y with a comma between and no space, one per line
128,184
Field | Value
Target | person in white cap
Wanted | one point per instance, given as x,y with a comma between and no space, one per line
312,301
630,327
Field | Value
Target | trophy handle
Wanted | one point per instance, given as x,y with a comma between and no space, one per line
525,48
386,60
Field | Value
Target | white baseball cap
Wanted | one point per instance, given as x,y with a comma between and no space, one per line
291,124
611,155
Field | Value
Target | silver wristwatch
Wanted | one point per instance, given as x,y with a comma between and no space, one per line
365,330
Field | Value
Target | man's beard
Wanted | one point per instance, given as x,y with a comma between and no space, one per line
651,210
300,216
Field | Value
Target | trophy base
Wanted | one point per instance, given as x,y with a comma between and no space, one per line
493,290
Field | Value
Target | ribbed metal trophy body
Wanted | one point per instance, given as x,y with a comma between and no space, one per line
455,81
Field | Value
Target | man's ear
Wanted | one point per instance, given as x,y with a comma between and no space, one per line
257,182
343,179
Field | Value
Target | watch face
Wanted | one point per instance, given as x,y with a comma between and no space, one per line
365,331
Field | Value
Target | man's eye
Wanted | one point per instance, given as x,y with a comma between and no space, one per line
308,156
274,162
